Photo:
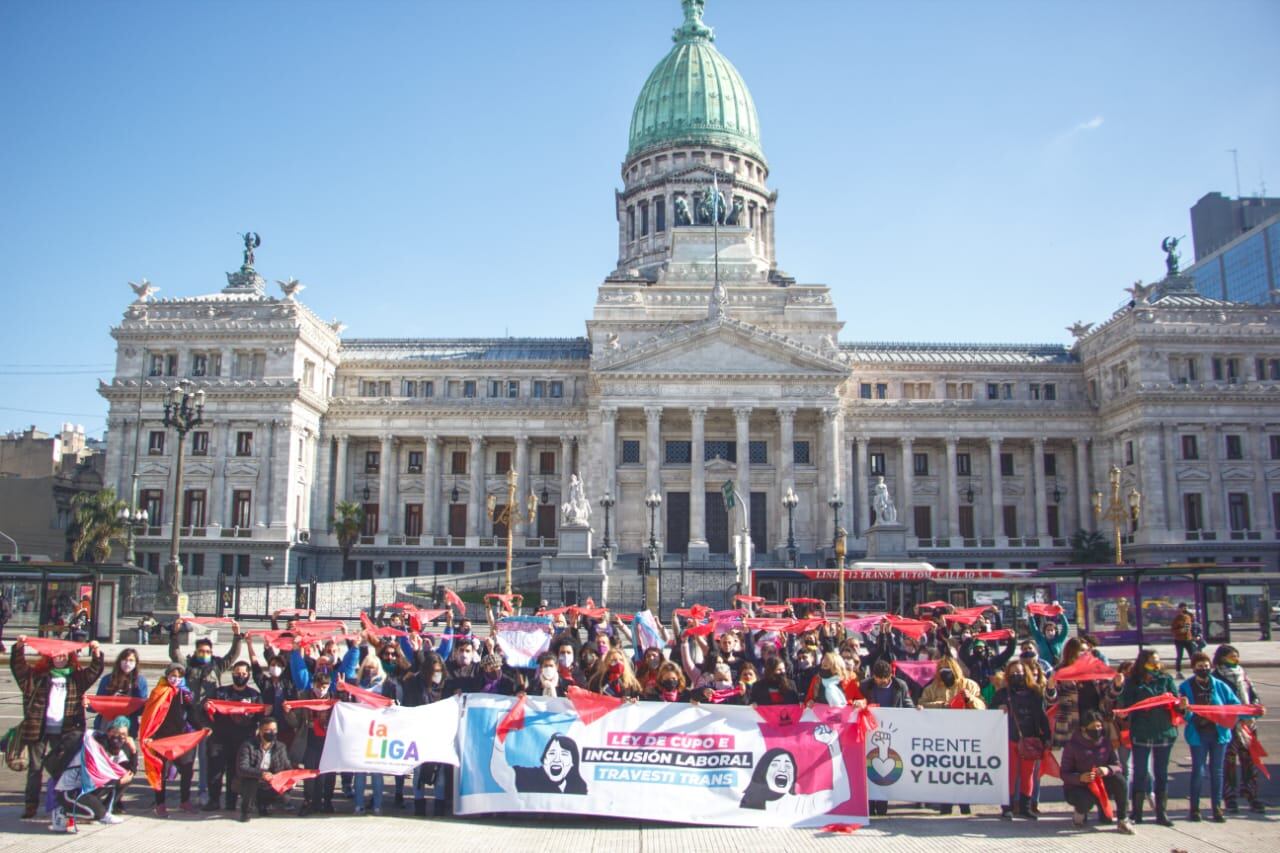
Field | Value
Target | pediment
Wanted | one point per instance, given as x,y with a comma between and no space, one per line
199,469
242,469
1237,473
723,347
153,468
1192,475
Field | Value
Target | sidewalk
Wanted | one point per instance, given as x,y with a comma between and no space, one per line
915,830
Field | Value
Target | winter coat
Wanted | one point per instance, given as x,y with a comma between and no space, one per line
1025,713
1152,727
1069,693
901,696
938,695
249,759
1219,694
1080,755
35,685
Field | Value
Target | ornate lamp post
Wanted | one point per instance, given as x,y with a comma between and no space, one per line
134,518
184,411
840,546
790,500
606,503
509,517
836,505
653,500
1119,513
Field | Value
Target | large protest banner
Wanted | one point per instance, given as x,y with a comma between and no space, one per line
727,765
390,740
939,756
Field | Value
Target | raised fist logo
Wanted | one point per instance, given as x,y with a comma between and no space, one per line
884,766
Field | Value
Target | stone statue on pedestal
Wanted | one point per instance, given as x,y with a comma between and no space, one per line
576,511
882,503
1171,257
682,211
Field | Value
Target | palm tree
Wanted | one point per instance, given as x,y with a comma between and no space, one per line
97,525
348,522
1090,548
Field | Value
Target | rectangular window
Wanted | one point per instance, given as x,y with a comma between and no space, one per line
800,452
1051,464
1238,510
546,522
1052,520
547,461
241,507
502,462
413,519
1034,390
758,452
1128,453
244,444
372,461
152,500
644,219
495,388
200,443
469,388
964,467
370,520
458,521
920,465
882,390
1218,370
513,389
993,391
155,443
193,564
1006,391
966,521
415,461
199,364
1192,512
1233,370
660,215
726,450
193,507
864,390
1006,464
557,388
630,451
1235,447
539,388
1275,509
458,462
1010,520
923,517
877,464
1190,450
1274,442
309,375
1050,391
409,388
426,388
677,452
631,223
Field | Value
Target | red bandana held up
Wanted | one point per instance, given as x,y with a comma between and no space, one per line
591,706
115,706
1050,610
170,748
364,697
451,598
233,709
286,779
1224,715
51,648
920,672
310,704
1085,668
991,636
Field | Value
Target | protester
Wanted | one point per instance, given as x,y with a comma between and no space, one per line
548,681
258,759
82,795
613,677
1182,641
775,688
312,727
834,685
1087,757
1077,698
125,679
1240,776
52,707
204,671
1208,740
949,688
983,661
229,731
1152,732
669,686
275,685
1049,634
169,712
1023,701
887,691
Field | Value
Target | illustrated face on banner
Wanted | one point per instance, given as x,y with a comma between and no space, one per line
558,759
780,773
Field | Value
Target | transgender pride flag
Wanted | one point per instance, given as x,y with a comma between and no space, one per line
647,633
97,770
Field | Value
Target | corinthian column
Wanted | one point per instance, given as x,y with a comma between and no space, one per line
697,484
475,501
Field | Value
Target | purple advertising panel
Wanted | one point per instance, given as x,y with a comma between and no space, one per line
1111,611
1160,600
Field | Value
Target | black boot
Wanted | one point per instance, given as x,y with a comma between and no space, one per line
1218,817
419,808
1194,814
1006,813
1137,801
1024,808
1162,817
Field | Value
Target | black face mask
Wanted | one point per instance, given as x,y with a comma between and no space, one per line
240,680
116,743
1093,733
268,737
948,677
670,685
1202,674
1017,681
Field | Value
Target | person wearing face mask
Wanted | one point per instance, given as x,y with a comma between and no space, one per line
1029,654
169,712
548,681
204,674
229,732
950,688
312,727
851,653
495,678
832,684
775,688
613,677
275,686
747,678
423,686
983,661
75,801
259,758
806,667
1207,739
1152,732
53,692
1076,698
463,669
669,686
647,669
1240,775
1049,634
124,680
589,658
566,663
1023,703
1089,755
887,691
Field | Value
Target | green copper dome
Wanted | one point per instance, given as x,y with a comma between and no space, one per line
695,96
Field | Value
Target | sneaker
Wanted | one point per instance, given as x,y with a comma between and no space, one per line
1077,820
161,811
111,819
58,821
1124,827
359,811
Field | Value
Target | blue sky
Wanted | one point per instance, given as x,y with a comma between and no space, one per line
982,171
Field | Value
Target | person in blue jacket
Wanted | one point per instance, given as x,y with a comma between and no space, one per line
1207,739
1050,635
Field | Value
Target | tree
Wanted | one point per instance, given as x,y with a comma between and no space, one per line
1090,548
97,525
348,521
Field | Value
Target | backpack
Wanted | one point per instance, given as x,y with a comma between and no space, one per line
15,753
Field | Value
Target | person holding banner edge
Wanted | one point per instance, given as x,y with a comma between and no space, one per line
1022,700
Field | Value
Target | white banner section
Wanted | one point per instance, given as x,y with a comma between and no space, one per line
390,740
939,756
704,764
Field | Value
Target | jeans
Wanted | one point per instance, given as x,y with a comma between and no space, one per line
1181,646
358,787
202,756
1215,754
1159,758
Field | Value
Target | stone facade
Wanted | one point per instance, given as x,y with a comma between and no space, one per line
702,363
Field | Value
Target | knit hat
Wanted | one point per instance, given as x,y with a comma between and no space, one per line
119,723
174,667
491,661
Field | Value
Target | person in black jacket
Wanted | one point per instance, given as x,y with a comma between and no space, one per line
258,760
887,691
982,660
1022,700
775,688
229,731
204,671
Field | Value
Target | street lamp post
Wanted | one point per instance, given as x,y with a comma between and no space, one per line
184,411
836,505
653,500
840,545
374,571
508,516
133,518
267,563
606,503
790,500
1118,512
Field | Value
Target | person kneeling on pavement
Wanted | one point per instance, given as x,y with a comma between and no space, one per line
92,793
1087,759
259,759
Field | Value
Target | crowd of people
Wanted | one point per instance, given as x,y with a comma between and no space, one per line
236,725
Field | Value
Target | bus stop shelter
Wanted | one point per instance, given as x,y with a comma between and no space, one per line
45,595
